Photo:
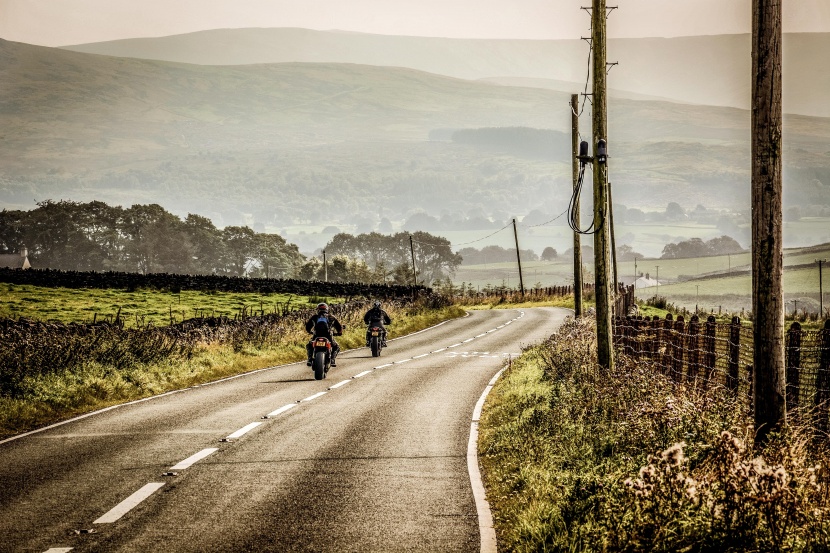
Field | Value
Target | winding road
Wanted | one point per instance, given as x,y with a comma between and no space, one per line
374,458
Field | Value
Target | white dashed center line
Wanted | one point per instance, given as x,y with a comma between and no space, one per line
59,550
242,431
364,373
419,356
194,458
343,383
281,410
128,504
384,366
313,397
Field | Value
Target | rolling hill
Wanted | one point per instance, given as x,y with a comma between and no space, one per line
708,70
282,144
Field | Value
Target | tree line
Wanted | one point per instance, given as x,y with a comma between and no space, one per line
94,236
146,239
388,258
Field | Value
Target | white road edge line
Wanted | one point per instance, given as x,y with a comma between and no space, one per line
312,397
343,383
242,431
485,516
128,504
364,373
280,411
195,458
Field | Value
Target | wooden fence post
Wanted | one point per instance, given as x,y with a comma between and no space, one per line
709,345
823,380
732,376
665,358
693,344
793,367
677,348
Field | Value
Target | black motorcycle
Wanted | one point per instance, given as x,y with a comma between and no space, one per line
321,357
375,340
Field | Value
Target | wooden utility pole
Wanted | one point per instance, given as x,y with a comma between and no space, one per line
325,267
767,249
602,252
518,258
577,237
414,272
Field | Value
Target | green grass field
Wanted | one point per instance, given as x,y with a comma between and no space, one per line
140,307
719,284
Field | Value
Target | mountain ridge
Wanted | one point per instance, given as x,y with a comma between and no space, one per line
707,70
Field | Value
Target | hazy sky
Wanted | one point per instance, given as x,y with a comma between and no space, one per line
63,22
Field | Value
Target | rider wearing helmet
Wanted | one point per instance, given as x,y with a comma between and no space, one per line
376,316
325,325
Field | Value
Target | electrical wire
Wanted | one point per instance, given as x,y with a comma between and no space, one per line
573,205
464,243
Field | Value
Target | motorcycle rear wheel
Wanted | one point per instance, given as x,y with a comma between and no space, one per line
376,346
319,365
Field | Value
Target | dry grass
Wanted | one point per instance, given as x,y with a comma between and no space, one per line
581,459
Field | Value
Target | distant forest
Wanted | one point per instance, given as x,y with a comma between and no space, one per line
147,239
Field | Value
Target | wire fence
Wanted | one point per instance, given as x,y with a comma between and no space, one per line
710,353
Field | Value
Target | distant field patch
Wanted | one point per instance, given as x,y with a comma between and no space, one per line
137,308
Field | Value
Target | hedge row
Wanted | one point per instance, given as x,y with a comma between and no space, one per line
53,278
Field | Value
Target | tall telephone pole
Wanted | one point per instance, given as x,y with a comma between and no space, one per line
577,241
767,247
602,247
518,258
414,271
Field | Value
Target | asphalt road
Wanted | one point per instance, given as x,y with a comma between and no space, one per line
374,458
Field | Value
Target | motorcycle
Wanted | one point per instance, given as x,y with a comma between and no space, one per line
376,340
321,358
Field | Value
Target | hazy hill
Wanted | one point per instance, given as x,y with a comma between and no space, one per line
710,70
302,143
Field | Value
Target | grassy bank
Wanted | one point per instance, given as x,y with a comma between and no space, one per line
52,397
580,459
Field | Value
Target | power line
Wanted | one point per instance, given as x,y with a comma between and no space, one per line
464,243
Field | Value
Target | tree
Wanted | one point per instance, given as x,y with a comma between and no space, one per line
206,247
674,212
240,249
549,254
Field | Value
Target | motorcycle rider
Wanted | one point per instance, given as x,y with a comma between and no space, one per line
376,316
321,325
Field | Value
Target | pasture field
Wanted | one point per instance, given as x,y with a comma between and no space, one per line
137,308
719,284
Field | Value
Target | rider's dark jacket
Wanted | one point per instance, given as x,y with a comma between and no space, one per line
334,324
376,316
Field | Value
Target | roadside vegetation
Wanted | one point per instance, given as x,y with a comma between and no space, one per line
51,371
579,459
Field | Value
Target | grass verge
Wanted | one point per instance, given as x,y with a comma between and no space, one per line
54,397
581,459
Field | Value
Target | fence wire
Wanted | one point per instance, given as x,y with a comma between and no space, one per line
709,353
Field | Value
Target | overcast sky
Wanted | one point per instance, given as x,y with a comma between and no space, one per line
64,22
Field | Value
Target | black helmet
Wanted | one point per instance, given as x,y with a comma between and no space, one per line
323,308
376,304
